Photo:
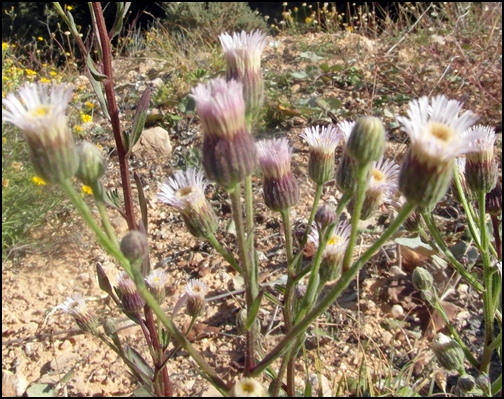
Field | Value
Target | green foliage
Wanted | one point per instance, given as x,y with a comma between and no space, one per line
210,19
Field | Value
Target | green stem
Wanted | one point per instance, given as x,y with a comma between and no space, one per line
251,287
431,225
284,345
488,299
362,182
436,303
225,254
134,273
469,212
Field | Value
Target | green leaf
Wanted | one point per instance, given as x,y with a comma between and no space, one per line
139,119
37,390
252,314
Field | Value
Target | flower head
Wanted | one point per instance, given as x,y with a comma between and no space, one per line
76,307
345,179
39,112
382,184
229,152
186,192
334,251
131,299
435,129
248,388
322,142
481,169
196,290
280,189
242,52
156,281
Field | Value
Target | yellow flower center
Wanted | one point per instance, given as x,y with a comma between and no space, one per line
184,191
41,111
377,175
334,240
442,132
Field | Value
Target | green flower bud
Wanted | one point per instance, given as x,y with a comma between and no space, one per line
92,164
422,279
134,246
367,140
448,353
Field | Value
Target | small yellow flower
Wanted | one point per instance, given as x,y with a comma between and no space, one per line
87,190
40,39
78,128
30,72
349,28
69,8
38,181
308,20
4,140
89,104
5,46
45,80
53,73
86,118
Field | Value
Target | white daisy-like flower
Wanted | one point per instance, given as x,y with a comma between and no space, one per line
186,192
39,112
485,138
248,388
436,129
384,176
436,132
76,307
243,46
196,288
337,243
184,189
156,279
322,138
346,127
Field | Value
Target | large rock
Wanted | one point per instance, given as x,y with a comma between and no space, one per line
154,144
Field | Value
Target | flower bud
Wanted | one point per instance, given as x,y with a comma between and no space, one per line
135,246
110,327
132,301
326,215
493,200
92,164
448,353
345,175
367,140
483,383
422,279
466,383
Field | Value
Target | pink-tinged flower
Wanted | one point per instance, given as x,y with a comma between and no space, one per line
196,291
322,142
435,129
242,52
229,153
39,112
381,186
345,128
131,300
76,307
280,189
186,192
334,252
481,168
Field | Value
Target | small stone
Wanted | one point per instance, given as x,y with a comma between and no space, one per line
397,311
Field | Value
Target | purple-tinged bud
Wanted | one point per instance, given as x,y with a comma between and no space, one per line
481,168
135,247
280,189
229,152
132,302
493,200
326,215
